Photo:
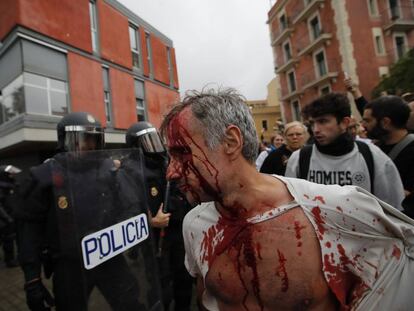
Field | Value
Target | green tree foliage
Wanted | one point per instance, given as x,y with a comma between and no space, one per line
401,77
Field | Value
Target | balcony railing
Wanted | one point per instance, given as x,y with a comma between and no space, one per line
286,65
305,44
283,33
320,75
302,11
398,18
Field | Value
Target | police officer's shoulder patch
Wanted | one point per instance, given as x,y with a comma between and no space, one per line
62,202
154,191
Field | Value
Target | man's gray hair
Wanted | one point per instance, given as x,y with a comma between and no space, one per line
216,110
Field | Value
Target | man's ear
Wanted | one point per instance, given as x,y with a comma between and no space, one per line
233,141
386,123
345,122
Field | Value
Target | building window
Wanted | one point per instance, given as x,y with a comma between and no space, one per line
283,22
287,51
140,100
94,26
315,28
107,95
44,95
149,52
400,46
135,49
373,7
383,71
296,110
12,100
394,9
291,81
325,90
307,2
170,66
264,125
378,41
321,64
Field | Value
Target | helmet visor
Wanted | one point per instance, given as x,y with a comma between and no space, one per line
150,141
81,138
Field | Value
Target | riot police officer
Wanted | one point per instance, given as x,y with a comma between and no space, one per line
167,211
9,201
67,198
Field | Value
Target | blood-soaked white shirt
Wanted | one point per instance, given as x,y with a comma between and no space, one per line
367,246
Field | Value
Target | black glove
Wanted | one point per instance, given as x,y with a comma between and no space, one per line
38,297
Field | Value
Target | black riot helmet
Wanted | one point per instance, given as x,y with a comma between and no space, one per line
145,136
80,131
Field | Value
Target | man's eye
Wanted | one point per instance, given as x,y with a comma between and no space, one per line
179,151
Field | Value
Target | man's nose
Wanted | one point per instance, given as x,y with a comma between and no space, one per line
174,170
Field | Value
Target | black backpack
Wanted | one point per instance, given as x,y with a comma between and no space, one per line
306,152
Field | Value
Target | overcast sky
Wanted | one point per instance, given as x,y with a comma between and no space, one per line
217,41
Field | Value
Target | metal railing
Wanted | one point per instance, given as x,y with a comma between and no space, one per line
314,74
306,39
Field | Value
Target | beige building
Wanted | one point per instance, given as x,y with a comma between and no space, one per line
266,113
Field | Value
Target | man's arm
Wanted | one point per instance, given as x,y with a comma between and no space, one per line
360,100
387,181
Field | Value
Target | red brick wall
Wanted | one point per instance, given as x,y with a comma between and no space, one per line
114,35
123,99
159,100
66,21
9,11
160,60
86,86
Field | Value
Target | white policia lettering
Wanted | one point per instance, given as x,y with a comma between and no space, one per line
102,245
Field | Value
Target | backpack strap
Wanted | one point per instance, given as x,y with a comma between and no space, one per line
395,151
305,154
363,148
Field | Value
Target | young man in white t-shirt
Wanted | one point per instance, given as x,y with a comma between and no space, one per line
336,158
262,242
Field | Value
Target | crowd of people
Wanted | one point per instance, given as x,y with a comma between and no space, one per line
375,153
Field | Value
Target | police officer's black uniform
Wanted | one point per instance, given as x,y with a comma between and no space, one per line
175,281
9,201
47,224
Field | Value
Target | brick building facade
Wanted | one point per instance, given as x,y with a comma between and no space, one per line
87,55
316,42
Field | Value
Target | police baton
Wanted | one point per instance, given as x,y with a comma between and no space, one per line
164,210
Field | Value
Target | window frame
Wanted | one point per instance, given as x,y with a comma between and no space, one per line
149,53
375,12
93,19
137,98
398,10
107,96
288,80
316,63
403,35
137,50
310,28
48,90
324,87
287,42
170,66
377,33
